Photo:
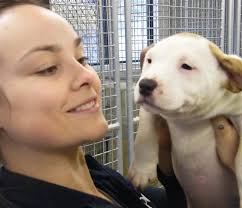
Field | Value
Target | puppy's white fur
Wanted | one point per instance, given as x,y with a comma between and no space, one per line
187,99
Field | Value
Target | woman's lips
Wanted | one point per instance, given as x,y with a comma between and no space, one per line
90,106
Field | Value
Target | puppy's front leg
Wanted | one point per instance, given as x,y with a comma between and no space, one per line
143,168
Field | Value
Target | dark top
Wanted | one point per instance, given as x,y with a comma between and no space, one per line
25,192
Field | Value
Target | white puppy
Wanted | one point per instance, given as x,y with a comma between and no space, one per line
188,80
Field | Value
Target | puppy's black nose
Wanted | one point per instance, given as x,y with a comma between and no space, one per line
146,86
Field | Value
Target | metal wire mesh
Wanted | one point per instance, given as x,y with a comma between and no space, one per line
92,20
153,20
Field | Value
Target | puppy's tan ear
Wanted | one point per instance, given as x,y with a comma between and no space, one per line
232,65
142,55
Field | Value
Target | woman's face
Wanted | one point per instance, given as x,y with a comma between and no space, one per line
50,96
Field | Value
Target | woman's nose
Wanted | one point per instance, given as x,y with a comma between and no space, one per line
83,76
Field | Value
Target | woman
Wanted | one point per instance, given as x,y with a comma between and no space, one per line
50,104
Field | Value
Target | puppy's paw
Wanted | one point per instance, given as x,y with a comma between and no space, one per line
142,175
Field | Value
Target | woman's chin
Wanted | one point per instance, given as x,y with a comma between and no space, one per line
101,131
98,131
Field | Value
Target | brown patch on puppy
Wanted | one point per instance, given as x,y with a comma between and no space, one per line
232,65
143,53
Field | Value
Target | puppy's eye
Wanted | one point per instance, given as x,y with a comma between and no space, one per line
149,60
186,67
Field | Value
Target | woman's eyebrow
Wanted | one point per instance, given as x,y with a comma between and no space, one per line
50,48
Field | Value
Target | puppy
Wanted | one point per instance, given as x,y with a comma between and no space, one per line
188,80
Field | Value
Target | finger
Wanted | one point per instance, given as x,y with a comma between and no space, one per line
227,140
223,128
220,122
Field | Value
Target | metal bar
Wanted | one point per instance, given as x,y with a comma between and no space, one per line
113,126
238,22
186,16
115,4
102,58
136,119
223,25
129,80
150,21
101,41
230,26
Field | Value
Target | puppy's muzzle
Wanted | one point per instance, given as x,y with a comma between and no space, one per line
147,86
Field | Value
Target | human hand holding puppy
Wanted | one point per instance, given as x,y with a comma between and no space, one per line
227,142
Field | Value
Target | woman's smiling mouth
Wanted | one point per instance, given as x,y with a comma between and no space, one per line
89,106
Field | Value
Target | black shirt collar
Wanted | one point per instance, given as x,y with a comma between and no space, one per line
29,192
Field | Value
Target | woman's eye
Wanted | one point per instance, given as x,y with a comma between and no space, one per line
48,71
83,61
186,67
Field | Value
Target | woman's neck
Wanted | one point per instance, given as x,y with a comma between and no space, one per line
68,169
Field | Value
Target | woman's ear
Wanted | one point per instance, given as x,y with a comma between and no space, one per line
143,53
232,65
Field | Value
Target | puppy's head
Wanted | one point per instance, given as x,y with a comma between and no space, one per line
184,73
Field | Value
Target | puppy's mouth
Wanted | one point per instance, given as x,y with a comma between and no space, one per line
149,105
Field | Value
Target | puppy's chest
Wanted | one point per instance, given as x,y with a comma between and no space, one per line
197,166
194,151
191,141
